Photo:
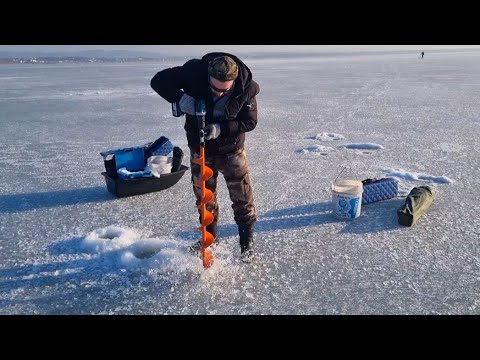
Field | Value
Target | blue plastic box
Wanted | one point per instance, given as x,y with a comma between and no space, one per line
130,158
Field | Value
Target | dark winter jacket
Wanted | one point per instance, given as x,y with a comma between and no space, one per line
240,115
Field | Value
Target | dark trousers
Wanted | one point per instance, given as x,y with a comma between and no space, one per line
234,168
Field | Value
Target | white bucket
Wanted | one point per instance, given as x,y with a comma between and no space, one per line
347,198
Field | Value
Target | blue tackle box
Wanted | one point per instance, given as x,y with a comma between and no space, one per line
379,189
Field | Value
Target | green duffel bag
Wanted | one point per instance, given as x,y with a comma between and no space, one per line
416,204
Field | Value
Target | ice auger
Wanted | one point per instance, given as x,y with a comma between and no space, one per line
207,195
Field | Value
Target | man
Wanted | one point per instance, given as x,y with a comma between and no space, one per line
225,83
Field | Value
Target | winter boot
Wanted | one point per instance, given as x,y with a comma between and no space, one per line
195,248
246,244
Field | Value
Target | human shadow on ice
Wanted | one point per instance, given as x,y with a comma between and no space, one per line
30,201
281,219
375,217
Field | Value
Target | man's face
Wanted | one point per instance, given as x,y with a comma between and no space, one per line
220,87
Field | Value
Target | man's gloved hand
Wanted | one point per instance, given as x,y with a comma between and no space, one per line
186,105
212,131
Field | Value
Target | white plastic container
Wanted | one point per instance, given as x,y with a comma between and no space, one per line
347,198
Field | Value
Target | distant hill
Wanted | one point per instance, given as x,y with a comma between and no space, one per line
129,55
105,54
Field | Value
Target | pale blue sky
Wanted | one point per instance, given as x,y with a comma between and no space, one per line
194,49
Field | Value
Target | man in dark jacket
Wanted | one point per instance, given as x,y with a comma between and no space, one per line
225,83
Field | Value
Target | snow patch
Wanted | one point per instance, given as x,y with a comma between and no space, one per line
328,136
324,150
362,146
411,176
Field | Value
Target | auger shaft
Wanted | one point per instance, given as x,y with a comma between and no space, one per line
207,195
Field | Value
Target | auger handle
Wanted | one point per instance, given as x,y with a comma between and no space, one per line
201,111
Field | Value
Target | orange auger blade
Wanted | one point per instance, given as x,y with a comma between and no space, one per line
207,217
207,173
207,195
207,258
209,239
